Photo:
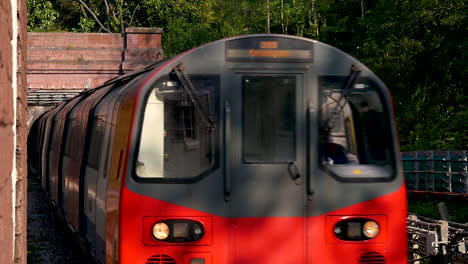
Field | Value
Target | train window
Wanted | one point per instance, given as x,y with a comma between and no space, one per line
67,149
72,136
97,136
355,131
178,136
269,119
54,139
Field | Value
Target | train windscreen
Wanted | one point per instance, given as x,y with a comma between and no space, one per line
355,132
178,133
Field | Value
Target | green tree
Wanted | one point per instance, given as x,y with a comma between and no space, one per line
417,47
42,16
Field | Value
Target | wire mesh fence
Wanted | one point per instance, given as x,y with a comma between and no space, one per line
436,171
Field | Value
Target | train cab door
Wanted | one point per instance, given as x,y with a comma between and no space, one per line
265,161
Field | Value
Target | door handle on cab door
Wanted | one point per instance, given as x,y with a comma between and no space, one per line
293,171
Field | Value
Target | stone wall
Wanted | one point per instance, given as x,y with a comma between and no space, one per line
13,131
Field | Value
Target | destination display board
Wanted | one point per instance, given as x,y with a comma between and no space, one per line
274,49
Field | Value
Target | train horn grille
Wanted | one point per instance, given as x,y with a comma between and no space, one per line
372,258
160,259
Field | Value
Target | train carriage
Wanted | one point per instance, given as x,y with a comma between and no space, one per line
252,149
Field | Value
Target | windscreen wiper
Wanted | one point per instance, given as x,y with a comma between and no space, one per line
194,98
345,90
351,79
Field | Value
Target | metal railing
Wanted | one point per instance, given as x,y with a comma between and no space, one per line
439,241
45,97
436,171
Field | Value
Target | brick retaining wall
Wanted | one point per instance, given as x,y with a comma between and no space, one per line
86,60
13,131
6,133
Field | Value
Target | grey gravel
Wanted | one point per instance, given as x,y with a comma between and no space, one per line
47,243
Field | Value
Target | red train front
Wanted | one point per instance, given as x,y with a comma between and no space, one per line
256,149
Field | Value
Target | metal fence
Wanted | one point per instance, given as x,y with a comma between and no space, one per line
438,241
436,171
45,97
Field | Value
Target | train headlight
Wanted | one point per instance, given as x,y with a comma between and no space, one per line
371,229
161,231
178,230
356,229
198,230
337,230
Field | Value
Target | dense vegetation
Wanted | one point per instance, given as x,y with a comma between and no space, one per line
419,48
427,207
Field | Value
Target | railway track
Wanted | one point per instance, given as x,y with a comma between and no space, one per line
48,242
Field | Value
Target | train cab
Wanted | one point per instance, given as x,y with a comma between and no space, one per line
283,150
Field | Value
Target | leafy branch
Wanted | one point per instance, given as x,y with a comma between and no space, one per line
94,16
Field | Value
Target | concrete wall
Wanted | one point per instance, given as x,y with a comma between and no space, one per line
85,60
13,173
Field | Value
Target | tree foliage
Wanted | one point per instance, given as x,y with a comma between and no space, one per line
418,48
42,16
